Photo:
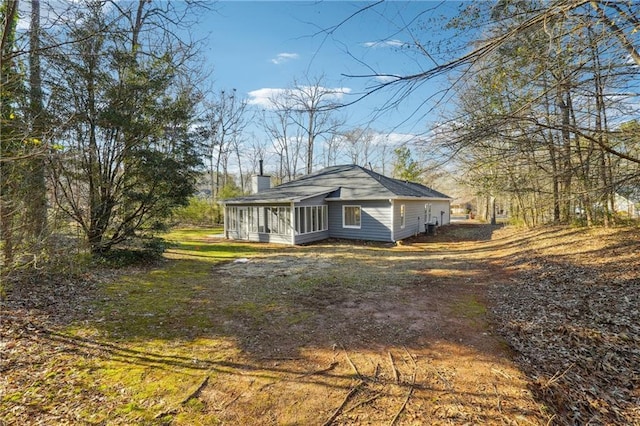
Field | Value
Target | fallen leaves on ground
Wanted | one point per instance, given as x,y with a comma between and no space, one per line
566,300
572,313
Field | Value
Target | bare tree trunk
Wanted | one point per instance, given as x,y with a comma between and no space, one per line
310,141
236,147
37,204
564,99
601,132
6,230
493,210
10,14
612,189
553,156
212,178
555,181
135,34
217,173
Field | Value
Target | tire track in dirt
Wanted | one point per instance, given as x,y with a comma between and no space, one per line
382,335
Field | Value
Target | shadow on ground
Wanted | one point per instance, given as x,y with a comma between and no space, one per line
328,333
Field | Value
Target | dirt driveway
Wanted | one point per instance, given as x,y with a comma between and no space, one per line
337,333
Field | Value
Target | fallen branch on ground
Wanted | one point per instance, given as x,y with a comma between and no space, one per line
321,371
396,376
352,364
413,360
344,402
191,395
404,404
557,376
196,392
448,386
495,388
365,402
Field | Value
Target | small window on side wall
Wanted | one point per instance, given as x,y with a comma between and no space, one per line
402,216
351,217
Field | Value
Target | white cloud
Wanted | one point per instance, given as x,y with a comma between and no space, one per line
386,78
266,97
383,44
284,57
394,139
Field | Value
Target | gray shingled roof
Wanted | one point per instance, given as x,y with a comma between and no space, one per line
348,182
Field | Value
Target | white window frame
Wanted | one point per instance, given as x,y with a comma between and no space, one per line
344,216
269,220
310,219
232,216
427,213
403,216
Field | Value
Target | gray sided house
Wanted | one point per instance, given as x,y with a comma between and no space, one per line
337,202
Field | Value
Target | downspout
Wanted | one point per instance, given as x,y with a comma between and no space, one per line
393,239
293,223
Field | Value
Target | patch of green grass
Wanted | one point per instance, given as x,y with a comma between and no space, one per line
12,397
197,243
167,302
157,336
192,234
161,303
256,312
224,251
470,307
158,331
130,408
306,284
299,317
140,381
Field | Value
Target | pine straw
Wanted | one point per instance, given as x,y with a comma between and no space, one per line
572,313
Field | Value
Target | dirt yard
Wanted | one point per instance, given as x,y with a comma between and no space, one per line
477,325
370,335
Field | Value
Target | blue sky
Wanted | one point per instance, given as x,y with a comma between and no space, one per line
257,47
260,47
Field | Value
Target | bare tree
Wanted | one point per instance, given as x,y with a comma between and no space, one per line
314,105
332,149
544,101
225,119
285,135
358,145
255,150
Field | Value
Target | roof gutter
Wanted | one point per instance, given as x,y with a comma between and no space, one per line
272,201
392,198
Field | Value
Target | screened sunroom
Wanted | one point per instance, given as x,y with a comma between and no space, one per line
280,223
